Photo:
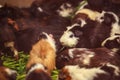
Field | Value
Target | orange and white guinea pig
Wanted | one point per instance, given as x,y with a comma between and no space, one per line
43,52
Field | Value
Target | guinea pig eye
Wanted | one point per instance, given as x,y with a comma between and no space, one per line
102,18
71,35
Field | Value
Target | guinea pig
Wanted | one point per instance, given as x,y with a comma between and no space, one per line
75,72
37,72
85,57
7,74
92,33
43,52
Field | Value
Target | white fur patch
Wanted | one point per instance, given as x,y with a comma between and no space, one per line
99,18
9,44
40,9
115,26
83,4
109,38
115,29
72,26
10,71
12,47
115,16
67,41
65,12
85,57
83,22
116,71
37,66
91,14
78,73
71,53
51,41
115,49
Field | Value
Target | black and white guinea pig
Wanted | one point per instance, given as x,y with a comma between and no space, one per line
93,33
85,57
75,72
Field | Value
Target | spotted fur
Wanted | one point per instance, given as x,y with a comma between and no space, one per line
86,57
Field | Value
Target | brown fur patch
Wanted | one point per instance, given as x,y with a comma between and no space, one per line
43,53
2,74
64,75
